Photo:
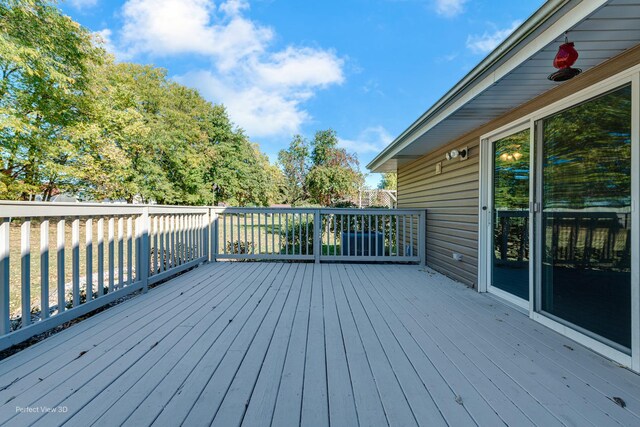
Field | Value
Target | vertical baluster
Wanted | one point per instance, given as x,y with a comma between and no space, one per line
253,240
167,243
246,241
44,269
348,235
88,249
174,240
259,233
120,284
75,261
369,234
240,232
223,216
191,245
100,257
390,235
300,231
361,234
377,219
397,218
162,237
286,227
129,250
201,234
307,240
404,235
155,245
273,234
343,244
25,260
5,244
194,236
231,217
111,249
411,233
60,261
334,218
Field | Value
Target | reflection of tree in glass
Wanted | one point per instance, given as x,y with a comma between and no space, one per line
587,152
511,174
511,194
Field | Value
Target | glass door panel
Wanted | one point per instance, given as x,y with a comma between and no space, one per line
586,217
510,210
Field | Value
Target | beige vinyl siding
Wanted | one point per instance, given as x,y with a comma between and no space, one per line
451,198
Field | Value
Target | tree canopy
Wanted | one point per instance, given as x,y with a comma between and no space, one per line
74,121
319,171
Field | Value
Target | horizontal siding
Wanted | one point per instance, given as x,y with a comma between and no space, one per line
451,198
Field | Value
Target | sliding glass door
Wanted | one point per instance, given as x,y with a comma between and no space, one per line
585,221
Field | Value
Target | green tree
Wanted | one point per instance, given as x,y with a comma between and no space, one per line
294,162
334,173
45,58
389,181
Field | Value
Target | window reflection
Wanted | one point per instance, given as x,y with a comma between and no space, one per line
586,271
511,214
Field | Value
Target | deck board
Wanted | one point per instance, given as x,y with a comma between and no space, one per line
289,344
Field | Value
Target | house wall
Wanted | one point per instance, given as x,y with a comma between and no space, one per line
451,198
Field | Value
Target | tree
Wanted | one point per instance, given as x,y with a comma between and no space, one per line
389,181
294,162
44,62
334,173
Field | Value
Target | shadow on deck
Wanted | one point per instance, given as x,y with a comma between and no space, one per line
290,343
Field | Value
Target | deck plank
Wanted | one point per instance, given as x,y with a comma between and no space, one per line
315,403
128,343
288,407
546,389
342,408
128,391
262,401
170,402
288,344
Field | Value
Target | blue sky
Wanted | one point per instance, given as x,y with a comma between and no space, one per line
367,69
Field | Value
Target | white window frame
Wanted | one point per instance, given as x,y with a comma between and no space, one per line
632,76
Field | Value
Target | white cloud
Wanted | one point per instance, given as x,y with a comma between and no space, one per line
371,140
486,42
449,8
259,111
263,89
82,4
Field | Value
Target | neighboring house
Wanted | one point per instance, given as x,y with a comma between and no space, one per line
540,206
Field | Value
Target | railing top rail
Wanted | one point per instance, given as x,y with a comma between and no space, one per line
344,211
48,209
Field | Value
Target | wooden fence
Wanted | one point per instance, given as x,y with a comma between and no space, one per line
61,261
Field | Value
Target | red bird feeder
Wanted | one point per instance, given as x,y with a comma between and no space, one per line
565,58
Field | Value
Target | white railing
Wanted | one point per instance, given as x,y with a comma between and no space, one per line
372,235
88,255
61,261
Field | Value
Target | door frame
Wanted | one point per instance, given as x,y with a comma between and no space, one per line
486,215
632,76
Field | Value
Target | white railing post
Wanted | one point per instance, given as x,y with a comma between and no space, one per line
144,249
422,238
317,236
5,229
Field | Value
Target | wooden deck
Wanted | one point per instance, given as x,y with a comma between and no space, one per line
316,345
